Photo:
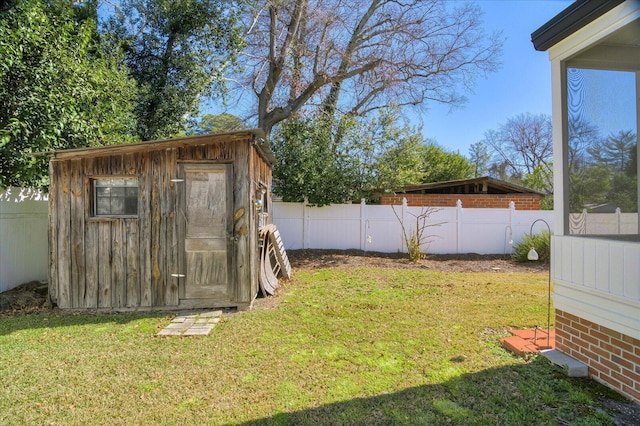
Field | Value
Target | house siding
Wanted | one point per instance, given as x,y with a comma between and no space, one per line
613,358
485,201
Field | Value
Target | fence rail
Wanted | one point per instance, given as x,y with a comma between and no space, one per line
616,223
377,228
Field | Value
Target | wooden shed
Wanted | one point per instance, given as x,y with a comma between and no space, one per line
159,225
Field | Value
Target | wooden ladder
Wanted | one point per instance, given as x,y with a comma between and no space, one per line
273,260
281,253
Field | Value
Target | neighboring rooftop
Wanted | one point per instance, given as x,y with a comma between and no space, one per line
479,185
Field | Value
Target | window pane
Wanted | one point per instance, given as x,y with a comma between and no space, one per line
117,191
602,132
103,206
116,197
103,191
131,205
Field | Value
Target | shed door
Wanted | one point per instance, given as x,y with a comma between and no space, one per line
208,231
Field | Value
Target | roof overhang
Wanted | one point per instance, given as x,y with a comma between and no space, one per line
257,135
570,20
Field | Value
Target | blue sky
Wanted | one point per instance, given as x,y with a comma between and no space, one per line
521,85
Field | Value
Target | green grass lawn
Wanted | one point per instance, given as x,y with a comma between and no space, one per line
345,346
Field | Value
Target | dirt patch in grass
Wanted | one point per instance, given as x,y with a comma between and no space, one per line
471,262
25,299
622,412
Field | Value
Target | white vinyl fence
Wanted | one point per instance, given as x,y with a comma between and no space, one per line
617,223
23,237
24,224
376,228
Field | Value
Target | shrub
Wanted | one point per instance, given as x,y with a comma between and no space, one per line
415,238
414,250
540,242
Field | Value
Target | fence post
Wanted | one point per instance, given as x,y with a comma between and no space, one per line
618,218
363,226
578,222
458,226
585,221
305,224
512,216
405,208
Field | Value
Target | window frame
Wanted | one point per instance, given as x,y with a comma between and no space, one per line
93,189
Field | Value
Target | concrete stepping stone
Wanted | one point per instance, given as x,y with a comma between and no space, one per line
573,367
192,324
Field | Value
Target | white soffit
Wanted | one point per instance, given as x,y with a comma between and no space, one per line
597,31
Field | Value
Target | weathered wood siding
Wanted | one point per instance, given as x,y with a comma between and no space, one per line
98,262
260,174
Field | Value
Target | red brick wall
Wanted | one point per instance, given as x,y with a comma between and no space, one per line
522,201
613,358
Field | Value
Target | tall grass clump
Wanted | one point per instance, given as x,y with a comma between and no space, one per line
541,242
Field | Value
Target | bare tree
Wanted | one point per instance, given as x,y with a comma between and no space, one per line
524,143
357,56
414,236
583,138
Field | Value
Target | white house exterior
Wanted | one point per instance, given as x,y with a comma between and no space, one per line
594,47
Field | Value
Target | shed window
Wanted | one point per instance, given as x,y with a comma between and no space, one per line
115,197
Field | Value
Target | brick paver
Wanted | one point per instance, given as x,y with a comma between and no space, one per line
523,342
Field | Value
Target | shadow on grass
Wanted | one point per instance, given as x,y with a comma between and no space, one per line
53,318
534,393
